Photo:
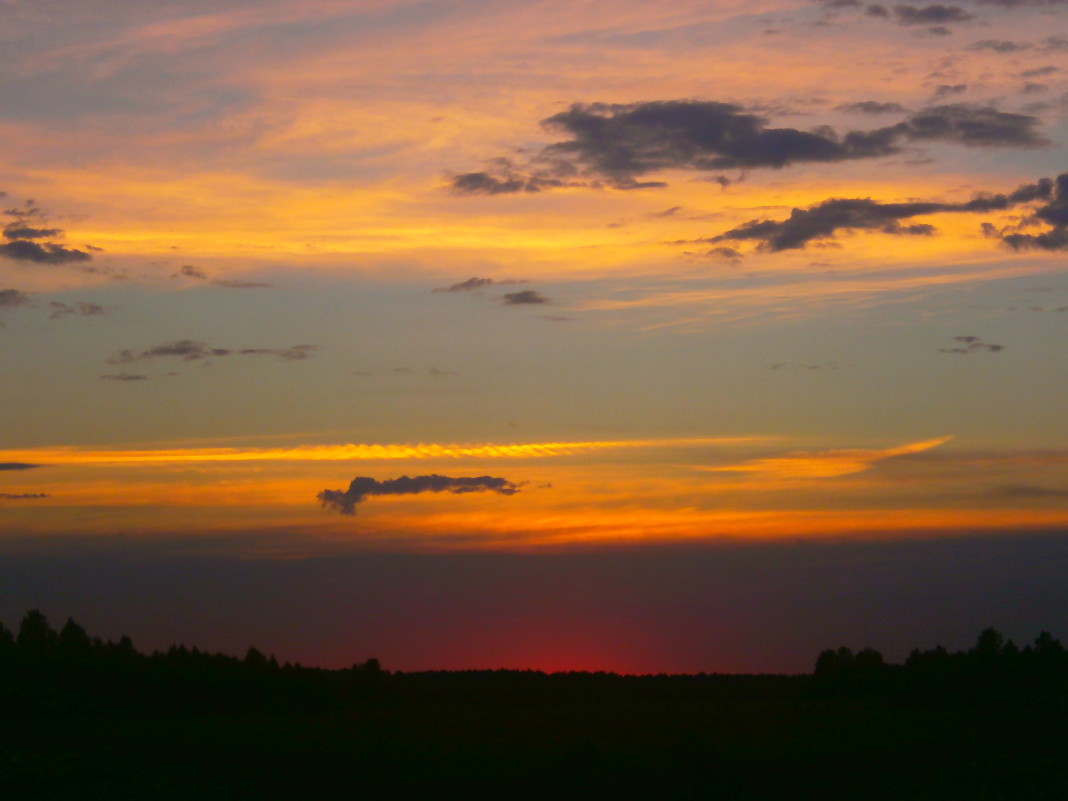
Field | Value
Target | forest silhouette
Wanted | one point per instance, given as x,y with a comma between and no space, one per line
86,718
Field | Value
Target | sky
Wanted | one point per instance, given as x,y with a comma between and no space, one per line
565,335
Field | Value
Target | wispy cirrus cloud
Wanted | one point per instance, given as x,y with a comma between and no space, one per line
825,464
359,452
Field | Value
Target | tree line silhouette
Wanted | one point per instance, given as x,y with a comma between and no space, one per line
85,718
44,671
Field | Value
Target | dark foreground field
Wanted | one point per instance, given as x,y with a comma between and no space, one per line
83,719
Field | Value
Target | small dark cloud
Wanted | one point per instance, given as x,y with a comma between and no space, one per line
936,14
19,231
554,318
362,487
971,344
466,286
999,46
80,308
871,107
524,298
1040,72
295,353
1055,44
502,177
197,274
123,377
1031,88
23,496
9,298
190,350
825,219
877,10
725,253
947,90
17,466
46,253
667,212
232,283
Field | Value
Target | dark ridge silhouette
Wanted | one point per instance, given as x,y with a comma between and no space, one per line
81,717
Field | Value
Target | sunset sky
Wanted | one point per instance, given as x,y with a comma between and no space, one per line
707,334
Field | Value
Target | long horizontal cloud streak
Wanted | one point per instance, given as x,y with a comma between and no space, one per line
827,464
617,143
531,450
361,487
824,219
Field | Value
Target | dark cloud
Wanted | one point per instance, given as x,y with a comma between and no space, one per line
871,107
19,231
616,144
970,344
196,273
10,298
469,284
231,283
344,501
946,90
17,466
191,271
80,308
46,253
667,212
1039,72
524,298
1054,214
502,177
124,377
189,350
930,15
824,219
973,126
999,46
24,496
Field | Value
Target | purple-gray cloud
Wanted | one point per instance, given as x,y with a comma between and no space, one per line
361,487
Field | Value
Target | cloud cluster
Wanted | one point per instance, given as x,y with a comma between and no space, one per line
970,345
1053,214
616,144
825,219
361,487
21,235
190,350
82,309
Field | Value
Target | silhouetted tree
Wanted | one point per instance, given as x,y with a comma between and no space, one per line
35,635
990,644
